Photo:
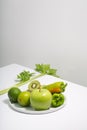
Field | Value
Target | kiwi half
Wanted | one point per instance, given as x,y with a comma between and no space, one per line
35,84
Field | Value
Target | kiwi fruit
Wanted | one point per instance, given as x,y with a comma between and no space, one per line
35,84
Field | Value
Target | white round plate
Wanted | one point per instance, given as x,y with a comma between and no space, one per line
30,110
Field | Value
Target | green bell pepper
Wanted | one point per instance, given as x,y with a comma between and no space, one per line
57,99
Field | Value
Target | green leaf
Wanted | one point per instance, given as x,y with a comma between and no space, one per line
24,76
42,68
52,71
46,69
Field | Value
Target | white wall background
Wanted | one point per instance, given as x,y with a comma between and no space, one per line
45,31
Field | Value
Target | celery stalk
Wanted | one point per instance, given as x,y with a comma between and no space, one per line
20,84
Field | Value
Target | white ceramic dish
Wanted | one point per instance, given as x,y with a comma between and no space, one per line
30,110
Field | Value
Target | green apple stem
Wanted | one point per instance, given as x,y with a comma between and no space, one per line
40,88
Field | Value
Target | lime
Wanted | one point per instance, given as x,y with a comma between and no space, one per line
24,98
13,94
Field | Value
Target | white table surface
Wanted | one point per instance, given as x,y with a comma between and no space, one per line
73,116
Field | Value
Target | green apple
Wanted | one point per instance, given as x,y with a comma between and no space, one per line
24,98
40,99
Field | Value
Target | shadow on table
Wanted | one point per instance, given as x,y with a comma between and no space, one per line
6,101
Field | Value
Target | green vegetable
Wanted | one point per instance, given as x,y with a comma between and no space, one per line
26,76
56,87
57,100
46,69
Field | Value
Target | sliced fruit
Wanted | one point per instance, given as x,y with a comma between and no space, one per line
34,85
